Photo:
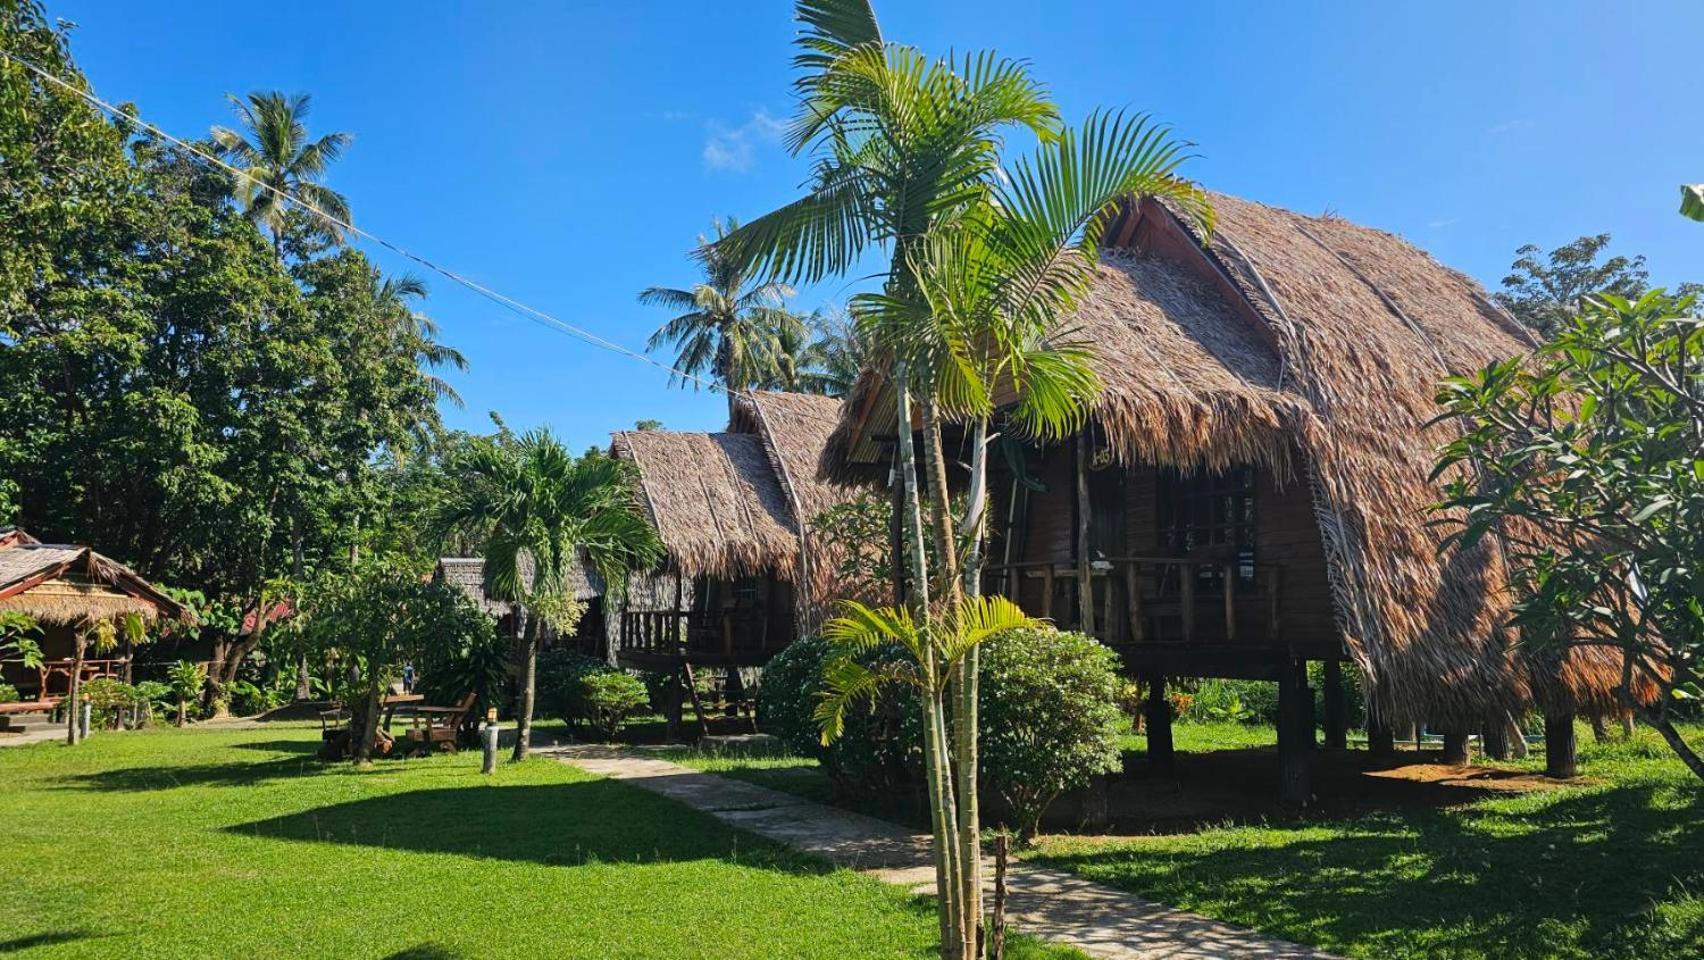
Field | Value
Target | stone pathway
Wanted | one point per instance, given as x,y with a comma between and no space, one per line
1050,904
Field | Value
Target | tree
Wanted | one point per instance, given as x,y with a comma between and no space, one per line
908,159
837,353
378,617
538,507
1584,461
647,425
1544,290
16,628
728,327
274,150
187,681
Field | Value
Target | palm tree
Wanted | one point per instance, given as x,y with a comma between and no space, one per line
907,159
837,353
726,329
273,149
395,298
535,504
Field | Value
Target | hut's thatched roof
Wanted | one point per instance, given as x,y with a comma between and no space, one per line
715,501
65,584
467,574
795,428
1312,339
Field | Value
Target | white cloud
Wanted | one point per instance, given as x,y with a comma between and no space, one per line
1440,224
733,149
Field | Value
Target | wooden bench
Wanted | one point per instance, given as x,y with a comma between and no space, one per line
438,727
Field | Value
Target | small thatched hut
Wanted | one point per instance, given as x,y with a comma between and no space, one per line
65,588
467,574
734,510
1252,491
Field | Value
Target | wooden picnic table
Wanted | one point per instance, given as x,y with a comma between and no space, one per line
407,701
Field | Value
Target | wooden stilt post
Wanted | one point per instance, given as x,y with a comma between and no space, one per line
1381,738
1457,750
672,696
1495,737
1560,758
1336,708
1294,713
1161,756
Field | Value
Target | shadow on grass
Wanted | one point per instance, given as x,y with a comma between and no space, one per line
170,777
1576,874
567,824
426,951
302,747
51,938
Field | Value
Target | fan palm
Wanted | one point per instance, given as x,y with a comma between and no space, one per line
535,504
727,329
280,161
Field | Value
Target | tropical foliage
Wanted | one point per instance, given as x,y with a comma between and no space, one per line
980,261
541,513
1586,461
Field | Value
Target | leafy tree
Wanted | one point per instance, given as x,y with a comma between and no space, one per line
170,389
1544,291
837,353
273,148
645,425
1586,461
728,328
536,506
103,636
16,628
378,617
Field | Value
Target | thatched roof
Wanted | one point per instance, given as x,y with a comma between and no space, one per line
467,574
65,584
795,428
1312,339
715,501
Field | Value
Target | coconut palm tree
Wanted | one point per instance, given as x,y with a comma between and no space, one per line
836,354
395,298
728,328
537,506
273,148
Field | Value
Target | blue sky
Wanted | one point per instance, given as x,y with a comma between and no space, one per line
569,154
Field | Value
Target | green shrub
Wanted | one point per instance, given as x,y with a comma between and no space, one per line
186,680
1051,718
156,695
560,692
249,699
9,693
880,749
607,698
109,699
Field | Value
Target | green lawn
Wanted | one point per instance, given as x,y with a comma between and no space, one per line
1611,868
236,843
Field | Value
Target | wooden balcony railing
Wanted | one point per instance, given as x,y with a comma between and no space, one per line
1150,600
54,676
715,634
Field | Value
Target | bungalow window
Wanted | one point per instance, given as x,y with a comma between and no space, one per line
1210,516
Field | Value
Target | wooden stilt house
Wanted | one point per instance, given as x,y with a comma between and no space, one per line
1252,491
743,575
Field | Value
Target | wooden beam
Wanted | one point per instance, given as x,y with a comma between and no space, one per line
1085,513
1230,603
1457,752
1133,601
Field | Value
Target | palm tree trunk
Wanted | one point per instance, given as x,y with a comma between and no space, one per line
947,890
969,807
528,689
911,517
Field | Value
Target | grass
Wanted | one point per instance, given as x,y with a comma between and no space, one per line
224,843
1610,869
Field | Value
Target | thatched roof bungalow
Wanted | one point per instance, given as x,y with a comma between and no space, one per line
734,512
64,588
1267,395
